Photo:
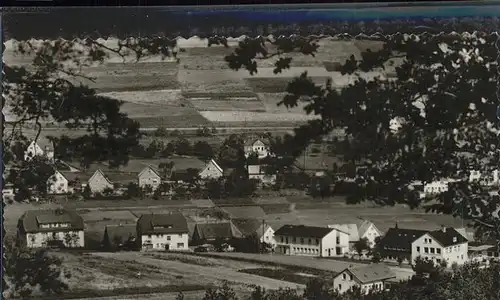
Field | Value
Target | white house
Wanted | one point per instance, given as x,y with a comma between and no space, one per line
57,184
35,149
149,176
485,179
163,232
437,187
367,278
360,230
57,227
257,172
98,182
311,241
263,231
258,147
211,171
443,245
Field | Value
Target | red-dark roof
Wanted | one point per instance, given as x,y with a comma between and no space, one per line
448,237
162,223
401,239
303,231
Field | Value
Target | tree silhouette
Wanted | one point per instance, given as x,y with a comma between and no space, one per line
436,118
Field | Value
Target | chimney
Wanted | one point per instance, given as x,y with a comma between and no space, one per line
396,225
443,228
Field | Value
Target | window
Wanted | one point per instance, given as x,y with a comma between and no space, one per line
180,235
281,238
344,276
302,240
180,245
350,277
462,256
286,240
157,245
149,236
340,286
432,250
294,239
438,251
309,241
418,249
317,241
338,240
168,237
426,250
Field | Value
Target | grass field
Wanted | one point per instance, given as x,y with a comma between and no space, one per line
248,118
138,272
228,104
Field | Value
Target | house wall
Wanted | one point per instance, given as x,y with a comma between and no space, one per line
344,281
371,234
298,246
337,242
57,184
427,247
32,151
436,187
39,239
98,183
149,177
159,241
261,149
268,237
210,172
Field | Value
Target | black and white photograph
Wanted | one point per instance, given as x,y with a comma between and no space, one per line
305,167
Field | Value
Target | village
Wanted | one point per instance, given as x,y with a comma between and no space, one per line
368,257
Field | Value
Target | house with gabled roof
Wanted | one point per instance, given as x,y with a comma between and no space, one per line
367,278
100,181
163,232
209,232
150,176
311,241
57,184
445,245
55,227
40,147
119,236
257,146
262,230
211,171
359,230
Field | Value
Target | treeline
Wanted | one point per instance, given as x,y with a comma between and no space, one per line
181,146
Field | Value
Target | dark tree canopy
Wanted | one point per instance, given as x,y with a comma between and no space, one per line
435,119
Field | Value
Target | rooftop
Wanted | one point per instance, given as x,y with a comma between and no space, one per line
32,219
303,231
372,272
162,223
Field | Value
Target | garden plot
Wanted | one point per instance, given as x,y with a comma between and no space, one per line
278,84
204,58
228,83
271,100
165,108
228,104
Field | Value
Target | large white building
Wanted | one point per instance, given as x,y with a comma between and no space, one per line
443,245
163,232
48,228
257,146
311,241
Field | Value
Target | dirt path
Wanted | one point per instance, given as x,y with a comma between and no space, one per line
204,273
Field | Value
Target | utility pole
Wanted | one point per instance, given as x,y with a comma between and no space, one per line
263,232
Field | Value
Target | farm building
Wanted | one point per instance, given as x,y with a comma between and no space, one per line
119,236
100,181
209,232
47,228
311,241
162,232
368,278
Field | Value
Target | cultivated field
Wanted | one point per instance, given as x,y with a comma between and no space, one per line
250,104
104,271
248,118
